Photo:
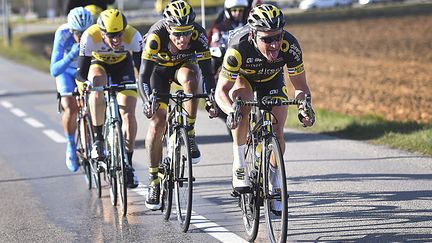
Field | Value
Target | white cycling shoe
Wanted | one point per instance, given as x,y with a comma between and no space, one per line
240,179
275,188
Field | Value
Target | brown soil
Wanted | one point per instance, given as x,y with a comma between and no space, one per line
380,66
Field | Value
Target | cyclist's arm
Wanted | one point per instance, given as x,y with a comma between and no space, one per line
59,61
222,94
300,85
144,87
207,74
136,56
83,68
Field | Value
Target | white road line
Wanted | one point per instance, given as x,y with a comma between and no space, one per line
218,232
6,104
33,122
55,136
18,112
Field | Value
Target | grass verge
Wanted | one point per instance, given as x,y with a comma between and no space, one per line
410,136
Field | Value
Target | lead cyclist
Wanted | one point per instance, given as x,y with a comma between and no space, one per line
254,60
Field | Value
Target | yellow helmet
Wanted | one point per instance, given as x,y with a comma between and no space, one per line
266,17
179,13
94,10
112,21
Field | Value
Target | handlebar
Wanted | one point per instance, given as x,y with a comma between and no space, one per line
179,95
115,87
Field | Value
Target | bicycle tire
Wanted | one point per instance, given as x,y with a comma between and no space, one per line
250,202
110,144
183,179
166,180
85,137
119,161
97,176
276,223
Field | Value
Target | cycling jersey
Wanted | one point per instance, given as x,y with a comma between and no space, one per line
156,53
243,58
94,50
64,60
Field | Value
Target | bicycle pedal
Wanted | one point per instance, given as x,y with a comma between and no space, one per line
235,193
193,178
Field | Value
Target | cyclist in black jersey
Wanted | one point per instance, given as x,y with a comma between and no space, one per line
175,50
254,60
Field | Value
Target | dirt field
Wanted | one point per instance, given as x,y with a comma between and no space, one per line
377,66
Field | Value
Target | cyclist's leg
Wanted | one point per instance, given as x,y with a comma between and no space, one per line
188,76
66,84
98,77
243,89
159,82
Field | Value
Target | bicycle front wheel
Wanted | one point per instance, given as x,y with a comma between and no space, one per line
166,177
82,149
110,145
119,162
183,179
275,192
250,201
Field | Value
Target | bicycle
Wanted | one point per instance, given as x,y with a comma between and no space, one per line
116,162
175,171
84,134
264,160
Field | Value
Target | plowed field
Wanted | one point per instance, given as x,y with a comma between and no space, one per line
379,66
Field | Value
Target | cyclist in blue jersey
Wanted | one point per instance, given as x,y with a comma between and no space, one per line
63,68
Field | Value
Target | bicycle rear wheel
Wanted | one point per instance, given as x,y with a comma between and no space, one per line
275,193
183,179
166,178
250,202
119,162
84,141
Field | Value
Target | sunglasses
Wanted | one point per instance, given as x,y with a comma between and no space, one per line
270,39
181,33
236,9
114,35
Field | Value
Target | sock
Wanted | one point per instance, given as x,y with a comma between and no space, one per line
70,138
153,176
190,126
239,155
129,156
98,132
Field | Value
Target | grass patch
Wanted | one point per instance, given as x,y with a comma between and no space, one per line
410,136
22,54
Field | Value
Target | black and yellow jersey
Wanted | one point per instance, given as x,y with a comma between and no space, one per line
156,46
243,58
93,45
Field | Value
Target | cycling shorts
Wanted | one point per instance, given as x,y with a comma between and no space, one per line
275,87
65,82
120,73
162,78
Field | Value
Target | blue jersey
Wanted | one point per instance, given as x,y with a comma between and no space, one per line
62,59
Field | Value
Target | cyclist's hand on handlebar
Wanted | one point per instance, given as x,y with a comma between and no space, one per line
211,106
147,109
306,114
233,120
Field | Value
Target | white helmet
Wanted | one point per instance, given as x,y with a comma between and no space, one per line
235,3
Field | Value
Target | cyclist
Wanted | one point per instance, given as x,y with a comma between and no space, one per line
254,61
105,51
63,68
218,34
94,10
176,49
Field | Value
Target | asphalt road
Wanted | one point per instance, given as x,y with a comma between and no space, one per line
340,190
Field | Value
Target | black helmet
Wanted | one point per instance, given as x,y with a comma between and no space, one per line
266,17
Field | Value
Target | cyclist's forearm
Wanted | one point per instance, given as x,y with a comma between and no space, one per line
221,95
144,87
60,63
83,68
136,56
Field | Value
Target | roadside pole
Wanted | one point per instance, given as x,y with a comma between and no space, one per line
203,14
120,5
6,28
